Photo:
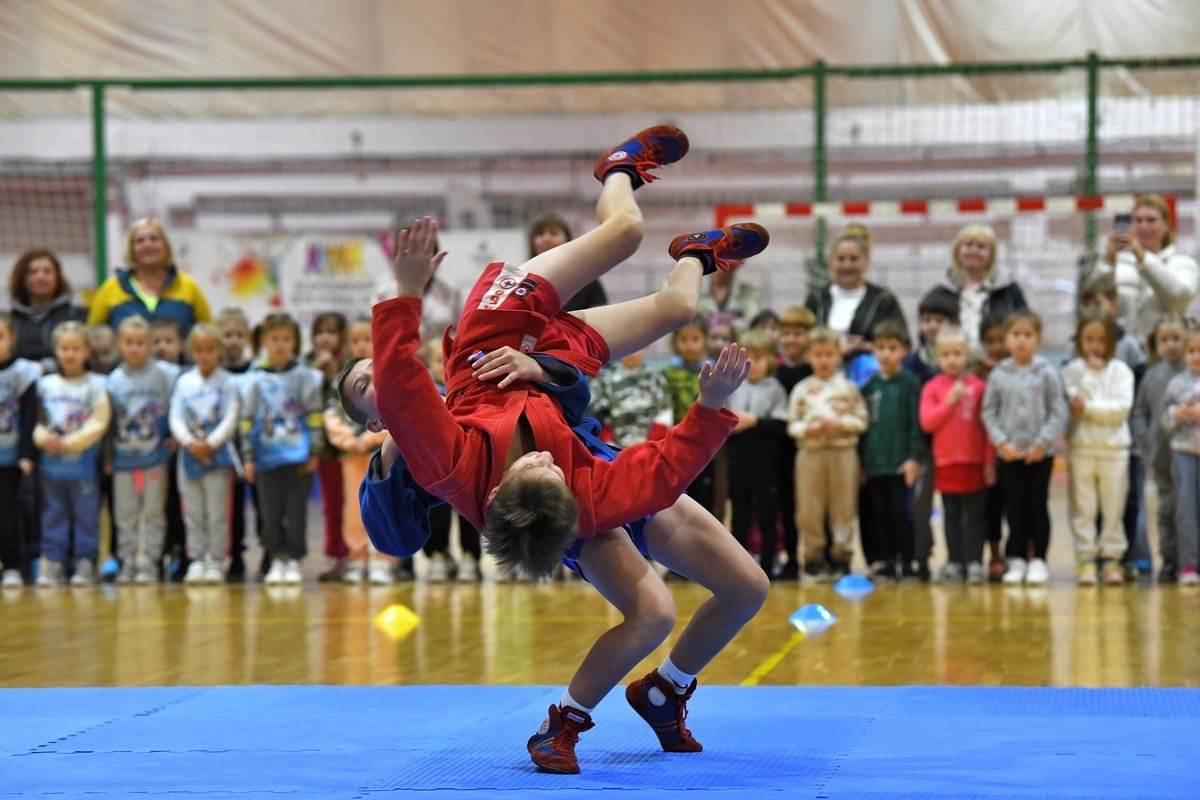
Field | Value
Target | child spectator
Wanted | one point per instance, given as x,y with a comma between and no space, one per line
140,448
991,338
761,407
328,354
964,460
73,415
204,417
356,445
826,414
767,321
721,334
166,339
1024,411
690,344
936,310
1100,292
235,335
631,401
18,414
283,430
1100,395
102,349
892,450
1181,419
794,325
1166,357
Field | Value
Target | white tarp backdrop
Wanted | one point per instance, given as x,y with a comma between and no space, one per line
183,38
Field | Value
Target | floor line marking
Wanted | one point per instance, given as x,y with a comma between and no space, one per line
772,661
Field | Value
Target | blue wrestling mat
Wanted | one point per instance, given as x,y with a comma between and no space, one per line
448,741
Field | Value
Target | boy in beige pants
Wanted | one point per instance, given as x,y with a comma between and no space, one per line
826,414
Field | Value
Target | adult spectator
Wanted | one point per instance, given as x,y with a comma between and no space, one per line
41,299
150,286
851,305
978,286
549,231
1153,278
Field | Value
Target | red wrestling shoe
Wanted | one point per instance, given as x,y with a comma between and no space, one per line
652,148
667,719
552,748
722,247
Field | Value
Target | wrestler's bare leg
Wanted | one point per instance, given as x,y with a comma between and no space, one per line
574,264
622,575
689,540
630,326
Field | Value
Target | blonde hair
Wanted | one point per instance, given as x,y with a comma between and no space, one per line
759,343
856,233
798,317
823,334
1159,204
980,232
212,331
134,323
146,222
951,333
232,314
70,328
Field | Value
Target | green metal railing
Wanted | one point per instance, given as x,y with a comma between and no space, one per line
819,73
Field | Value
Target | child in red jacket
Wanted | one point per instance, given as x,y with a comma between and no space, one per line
963,456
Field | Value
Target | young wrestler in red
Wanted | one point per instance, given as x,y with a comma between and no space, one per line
484,438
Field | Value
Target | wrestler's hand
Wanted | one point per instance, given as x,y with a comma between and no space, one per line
415,257
719,380
507,365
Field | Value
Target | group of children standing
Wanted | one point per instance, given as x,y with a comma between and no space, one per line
163,435
817,454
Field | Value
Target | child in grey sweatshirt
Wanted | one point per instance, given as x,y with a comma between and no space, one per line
1166,350
1181,419
1024,411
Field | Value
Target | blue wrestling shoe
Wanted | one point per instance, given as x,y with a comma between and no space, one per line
721,248
665,709
652,148
552,748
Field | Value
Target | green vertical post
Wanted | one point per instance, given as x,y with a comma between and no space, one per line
1092,159
817,271
99,185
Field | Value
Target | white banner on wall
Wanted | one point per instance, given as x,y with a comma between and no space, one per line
307,274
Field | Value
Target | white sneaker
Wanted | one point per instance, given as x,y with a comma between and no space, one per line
1016,571
213,572
381,574
292,574
145,573
51,575
195,573
11,579
1037,572
468,570
438,569
355,572
274,576
85,573
975,573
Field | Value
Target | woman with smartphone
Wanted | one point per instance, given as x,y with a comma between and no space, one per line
1153,278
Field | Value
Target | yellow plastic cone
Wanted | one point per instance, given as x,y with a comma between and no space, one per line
397,621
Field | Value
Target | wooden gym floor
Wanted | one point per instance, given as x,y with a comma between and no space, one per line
522,634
